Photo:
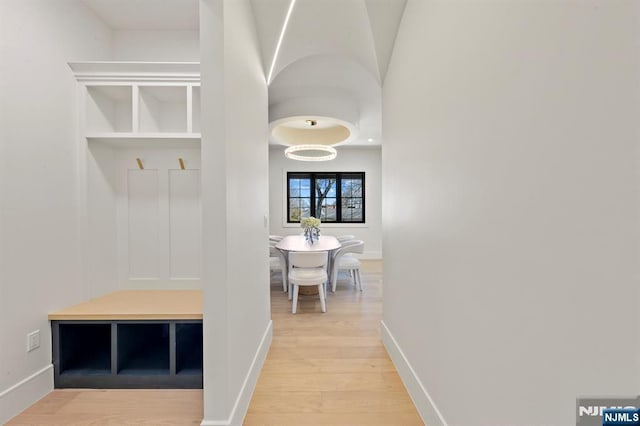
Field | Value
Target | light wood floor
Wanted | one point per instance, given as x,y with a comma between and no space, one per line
331,368
71,407
322,369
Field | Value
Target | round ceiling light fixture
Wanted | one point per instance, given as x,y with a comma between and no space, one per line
310,152
312,130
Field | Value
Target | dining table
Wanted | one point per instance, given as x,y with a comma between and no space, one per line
290,243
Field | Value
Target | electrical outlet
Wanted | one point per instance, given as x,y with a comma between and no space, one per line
33,340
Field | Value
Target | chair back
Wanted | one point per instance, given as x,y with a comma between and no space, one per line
308,259
343,238
274,252
355,246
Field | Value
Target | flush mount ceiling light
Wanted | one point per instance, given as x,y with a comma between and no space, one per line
312,130
310,152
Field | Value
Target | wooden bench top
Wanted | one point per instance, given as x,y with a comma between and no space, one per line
137,305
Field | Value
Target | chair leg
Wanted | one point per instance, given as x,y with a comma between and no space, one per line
294,305
290,292
359,281
323,304
285,286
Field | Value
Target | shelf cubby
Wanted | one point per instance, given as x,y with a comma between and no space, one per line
85,349
143,349
189,348
109,109
162,109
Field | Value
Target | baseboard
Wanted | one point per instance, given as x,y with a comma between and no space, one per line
421,398
25,393
246,391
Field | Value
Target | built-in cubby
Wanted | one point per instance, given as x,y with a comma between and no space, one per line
85,349
189,348
109,109
162,109
139,151
127,354
133,103
143,349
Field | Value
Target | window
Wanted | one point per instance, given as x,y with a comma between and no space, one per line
331,197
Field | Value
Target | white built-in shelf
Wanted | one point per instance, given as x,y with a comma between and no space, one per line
141,103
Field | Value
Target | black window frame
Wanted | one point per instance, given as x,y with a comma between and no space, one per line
339,176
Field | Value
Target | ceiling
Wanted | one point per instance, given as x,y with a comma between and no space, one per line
175,15
332,60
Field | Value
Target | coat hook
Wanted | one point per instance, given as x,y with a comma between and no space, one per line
181,161
140,165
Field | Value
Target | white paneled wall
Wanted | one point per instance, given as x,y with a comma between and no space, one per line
141,229
184,224
157,229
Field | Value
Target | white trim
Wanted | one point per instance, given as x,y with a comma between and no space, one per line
136,71
241,405
418,393
25,393
328,225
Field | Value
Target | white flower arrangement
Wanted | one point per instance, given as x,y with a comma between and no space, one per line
311,227
309,222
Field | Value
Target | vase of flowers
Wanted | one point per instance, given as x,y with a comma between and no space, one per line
311,227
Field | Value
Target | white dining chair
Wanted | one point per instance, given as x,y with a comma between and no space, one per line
343,261
344,238
277,262
308,269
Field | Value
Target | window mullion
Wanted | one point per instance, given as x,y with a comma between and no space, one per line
312,210
338,197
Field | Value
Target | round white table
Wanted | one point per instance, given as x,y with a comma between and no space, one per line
299,243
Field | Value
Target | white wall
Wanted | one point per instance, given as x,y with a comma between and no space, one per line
510,213
235,165
156,46
41,269
361,159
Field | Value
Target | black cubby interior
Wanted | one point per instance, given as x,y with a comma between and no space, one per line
85,349
143,349
189,348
